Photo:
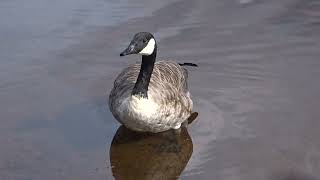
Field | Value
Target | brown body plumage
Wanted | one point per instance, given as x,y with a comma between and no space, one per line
167,88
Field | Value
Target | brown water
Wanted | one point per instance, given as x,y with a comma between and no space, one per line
257,89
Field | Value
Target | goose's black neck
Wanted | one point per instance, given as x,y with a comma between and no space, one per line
141,87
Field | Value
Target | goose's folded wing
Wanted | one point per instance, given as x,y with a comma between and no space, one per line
170,73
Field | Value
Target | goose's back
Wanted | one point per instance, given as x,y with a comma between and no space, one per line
166,74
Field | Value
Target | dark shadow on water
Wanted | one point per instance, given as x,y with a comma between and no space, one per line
135,155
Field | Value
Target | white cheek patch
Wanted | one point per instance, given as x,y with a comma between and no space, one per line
148,50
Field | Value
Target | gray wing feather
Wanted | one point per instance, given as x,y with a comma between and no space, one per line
169,87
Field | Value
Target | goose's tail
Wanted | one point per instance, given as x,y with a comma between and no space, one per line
192,117
188,64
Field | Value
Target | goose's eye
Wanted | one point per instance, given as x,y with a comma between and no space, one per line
144,40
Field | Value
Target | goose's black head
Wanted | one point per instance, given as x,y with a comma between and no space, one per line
142,43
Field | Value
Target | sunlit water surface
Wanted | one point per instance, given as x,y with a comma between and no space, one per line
256,89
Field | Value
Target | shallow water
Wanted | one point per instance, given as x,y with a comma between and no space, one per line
256,88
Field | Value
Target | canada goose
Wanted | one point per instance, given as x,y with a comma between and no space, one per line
150,97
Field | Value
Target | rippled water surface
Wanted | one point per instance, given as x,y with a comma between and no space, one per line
256,89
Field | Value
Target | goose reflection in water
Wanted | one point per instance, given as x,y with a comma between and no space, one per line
135,155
